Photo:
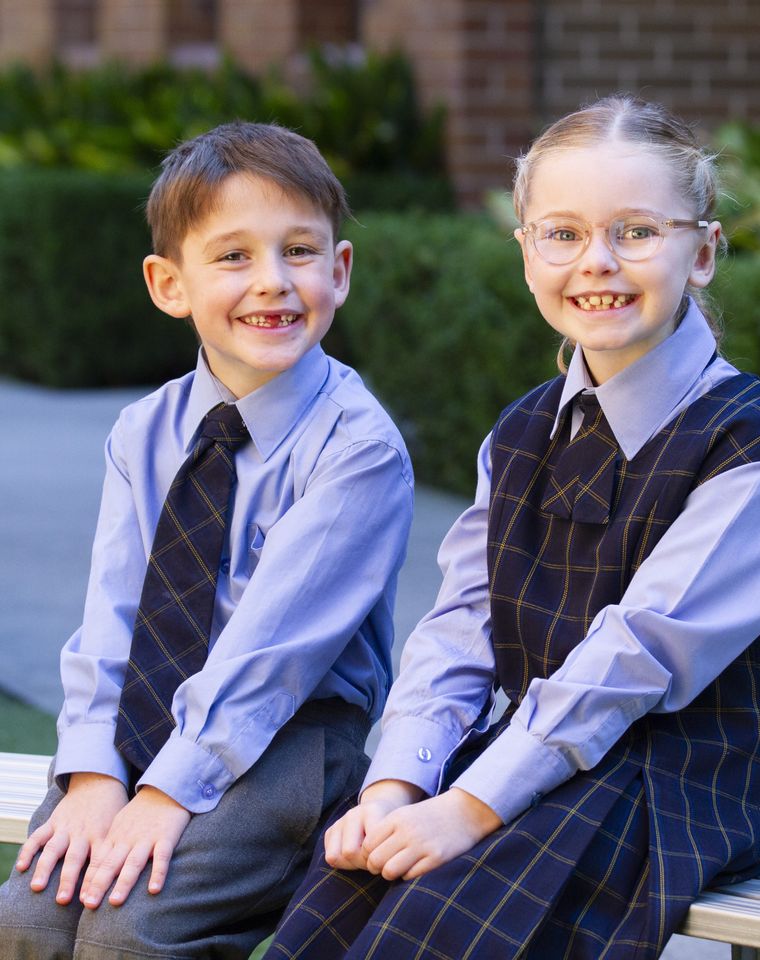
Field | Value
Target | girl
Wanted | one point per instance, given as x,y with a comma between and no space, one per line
607,579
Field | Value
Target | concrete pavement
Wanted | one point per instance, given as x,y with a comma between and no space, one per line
52,466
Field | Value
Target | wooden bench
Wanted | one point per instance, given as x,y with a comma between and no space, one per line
729,914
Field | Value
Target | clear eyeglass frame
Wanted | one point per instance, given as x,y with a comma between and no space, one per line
563,240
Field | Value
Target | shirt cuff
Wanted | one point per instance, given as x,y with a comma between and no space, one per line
188,774
514,772
413,749
88,748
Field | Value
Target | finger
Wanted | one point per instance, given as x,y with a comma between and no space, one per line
102,878
379,832
75,859
52,852
423,866
34,842
133,866
162,855
401,863
346,848
99,852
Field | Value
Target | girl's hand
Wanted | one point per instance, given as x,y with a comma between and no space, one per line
413,840
344,840
75,828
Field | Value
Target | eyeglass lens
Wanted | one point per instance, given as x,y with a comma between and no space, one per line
564,240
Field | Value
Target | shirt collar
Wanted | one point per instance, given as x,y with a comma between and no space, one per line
652,386
271,412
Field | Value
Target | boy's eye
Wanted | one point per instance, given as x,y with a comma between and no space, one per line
234,256
300,250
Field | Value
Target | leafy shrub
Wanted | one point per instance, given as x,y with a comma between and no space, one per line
363,115
442,325
439,320
74,310
739,209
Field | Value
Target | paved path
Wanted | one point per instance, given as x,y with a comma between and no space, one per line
48,510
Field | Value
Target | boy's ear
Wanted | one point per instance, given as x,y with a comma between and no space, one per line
344,260
520,237
162,277
703,269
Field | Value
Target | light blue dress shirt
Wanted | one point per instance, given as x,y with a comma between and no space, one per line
689,610
304,602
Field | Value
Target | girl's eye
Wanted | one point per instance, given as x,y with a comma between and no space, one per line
636,231
566,234
300,250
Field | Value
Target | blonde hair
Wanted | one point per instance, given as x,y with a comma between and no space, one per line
628,119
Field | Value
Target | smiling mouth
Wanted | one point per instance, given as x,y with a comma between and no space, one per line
604,301
271,321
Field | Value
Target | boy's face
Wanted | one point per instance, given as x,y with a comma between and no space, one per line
261,278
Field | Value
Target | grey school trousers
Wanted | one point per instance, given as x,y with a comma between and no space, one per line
232,872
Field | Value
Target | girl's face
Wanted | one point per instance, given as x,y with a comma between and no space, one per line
596,185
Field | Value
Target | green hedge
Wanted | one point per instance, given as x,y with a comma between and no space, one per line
439,319
363,114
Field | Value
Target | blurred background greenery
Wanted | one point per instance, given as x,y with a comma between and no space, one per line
439,320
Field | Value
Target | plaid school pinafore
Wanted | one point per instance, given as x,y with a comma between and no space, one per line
607,864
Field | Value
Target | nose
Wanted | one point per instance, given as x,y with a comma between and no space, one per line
270,276
598,257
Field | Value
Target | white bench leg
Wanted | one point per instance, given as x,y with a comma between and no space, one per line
745,953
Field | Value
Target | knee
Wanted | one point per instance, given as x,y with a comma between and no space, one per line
33,926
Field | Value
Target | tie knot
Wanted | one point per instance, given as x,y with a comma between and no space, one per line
589,407
224,425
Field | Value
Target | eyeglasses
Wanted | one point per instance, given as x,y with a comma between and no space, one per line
563,240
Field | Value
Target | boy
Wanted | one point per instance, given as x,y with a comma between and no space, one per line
198,762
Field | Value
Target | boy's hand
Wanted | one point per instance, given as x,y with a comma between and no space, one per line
344,841
415,839
75,828
148,826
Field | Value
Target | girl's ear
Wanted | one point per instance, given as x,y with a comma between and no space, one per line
164,282
344,256
520,237
703,268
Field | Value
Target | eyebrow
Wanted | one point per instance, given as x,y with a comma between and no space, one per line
312,231
623,212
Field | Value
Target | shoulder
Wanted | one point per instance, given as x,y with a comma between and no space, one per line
356,416
728,418
162,407
166,402
542,402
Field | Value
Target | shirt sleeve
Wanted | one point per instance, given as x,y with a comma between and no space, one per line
324,565
690,609
93,661
445,687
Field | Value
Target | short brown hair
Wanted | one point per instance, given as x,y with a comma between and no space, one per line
188,185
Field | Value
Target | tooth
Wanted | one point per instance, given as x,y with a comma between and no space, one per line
586,305
594,301
607,299
581,300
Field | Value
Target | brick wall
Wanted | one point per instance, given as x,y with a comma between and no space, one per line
26,31
700,57
503,68
476,56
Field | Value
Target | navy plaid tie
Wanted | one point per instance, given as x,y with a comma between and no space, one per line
583,483
171,633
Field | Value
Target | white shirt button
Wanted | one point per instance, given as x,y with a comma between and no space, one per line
424,754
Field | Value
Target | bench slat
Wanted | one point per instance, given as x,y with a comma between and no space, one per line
23,783
729,914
